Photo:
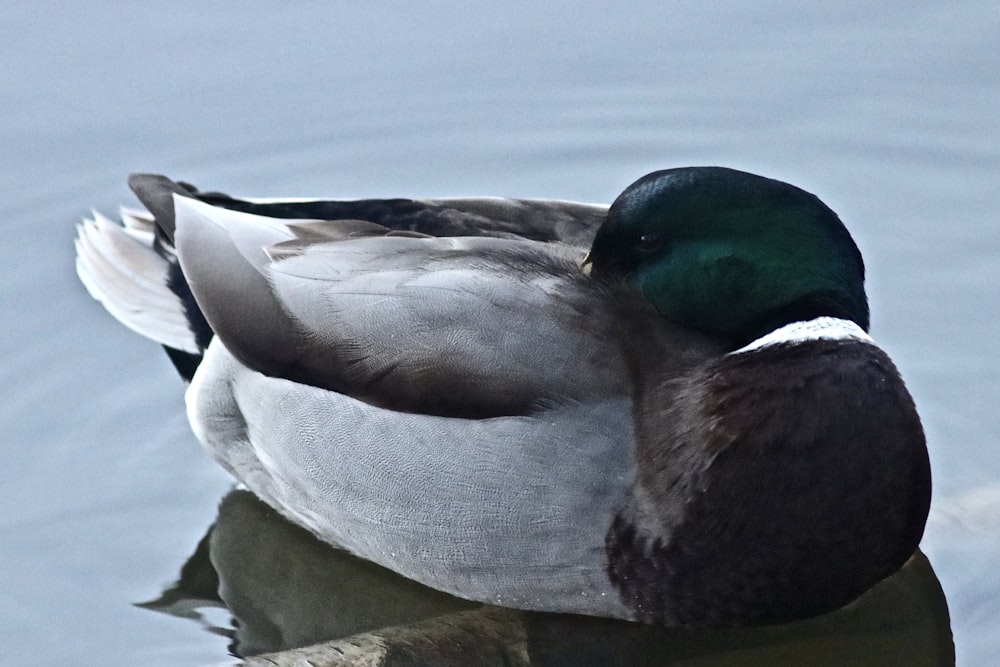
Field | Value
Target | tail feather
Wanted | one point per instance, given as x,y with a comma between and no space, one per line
138,224
121,268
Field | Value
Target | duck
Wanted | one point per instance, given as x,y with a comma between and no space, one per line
668,410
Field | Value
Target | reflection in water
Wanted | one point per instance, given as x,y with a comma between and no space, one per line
288,590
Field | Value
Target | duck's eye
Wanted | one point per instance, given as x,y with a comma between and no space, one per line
649,243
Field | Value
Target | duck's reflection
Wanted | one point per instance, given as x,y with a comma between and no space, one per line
287,590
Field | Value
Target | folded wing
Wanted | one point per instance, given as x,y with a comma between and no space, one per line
455,326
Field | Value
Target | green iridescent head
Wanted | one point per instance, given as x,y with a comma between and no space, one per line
731,253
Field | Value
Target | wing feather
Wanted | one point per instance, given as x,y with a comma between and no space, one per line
456,326
536,219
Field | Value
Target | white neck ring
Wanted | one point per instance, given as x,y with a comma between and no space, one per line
821,328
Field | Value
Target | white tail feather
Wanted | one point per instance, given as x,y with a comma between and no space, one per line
120,269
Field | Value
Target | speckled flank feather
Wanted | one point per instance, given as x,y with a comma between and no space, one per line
507,521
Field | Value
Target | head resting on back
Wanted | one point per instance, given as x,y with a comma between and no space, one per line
730,253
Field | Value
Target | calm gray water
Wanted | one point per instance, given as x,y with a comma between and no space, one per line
890,114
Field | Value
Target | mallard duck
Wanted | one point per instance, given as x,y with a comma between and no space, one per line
668,410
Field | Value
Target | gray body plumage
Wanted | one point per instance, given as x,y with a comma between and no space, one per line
504,514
